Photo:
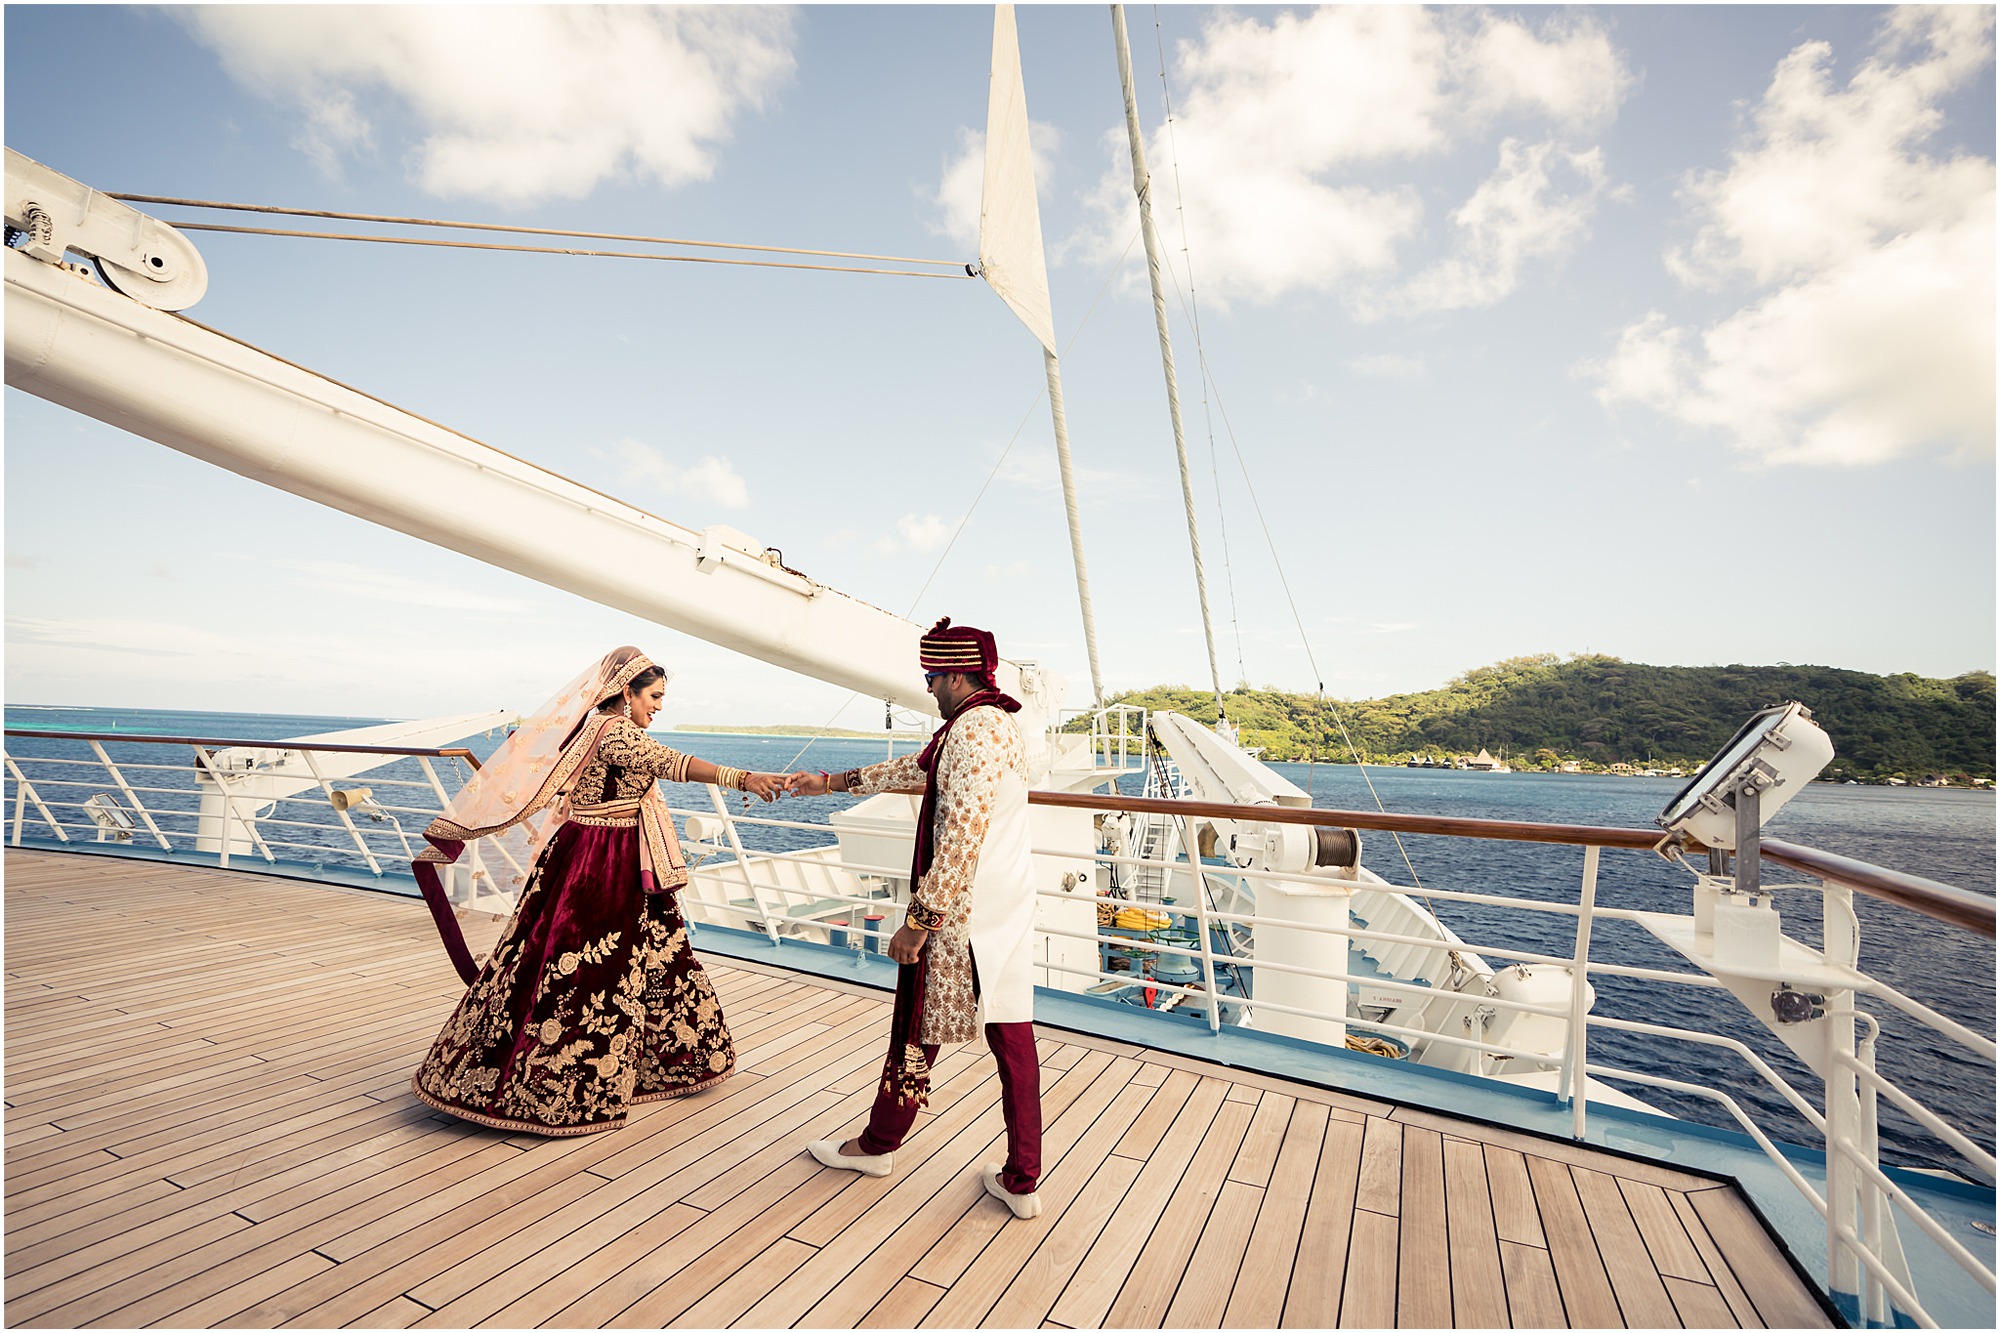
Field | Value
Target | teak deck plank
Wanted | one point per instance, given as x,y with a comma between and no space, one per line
1029,1265
1641,1295
1320,1271
1478,1287
1423,1262
1586,1287
210,1126
1258,1298
904,1307
1164,1262
1756,1261
1217,1263
1533,1298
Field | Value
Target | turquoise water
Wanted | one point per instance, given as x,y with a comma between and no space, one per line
1946,835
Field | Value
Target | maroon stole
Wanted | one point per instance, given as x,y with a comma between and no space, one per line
906,1074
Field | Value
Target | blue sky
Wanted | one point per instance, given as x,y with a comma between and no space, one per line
1663,332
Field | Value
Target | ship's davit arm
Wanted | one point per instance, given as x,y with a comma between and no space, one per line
165,378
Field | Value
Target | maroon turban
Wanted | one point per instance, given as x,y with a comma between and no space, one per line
958,648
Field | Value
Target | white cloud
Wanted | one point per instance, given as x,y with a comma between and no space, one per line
1279,123
925,533
962,184
108,658
914,533
711,479
1518,214
514,104
1869,334
379,585
1388,365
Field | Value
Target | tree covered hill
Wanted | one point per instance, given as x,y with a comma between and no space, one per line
1539,710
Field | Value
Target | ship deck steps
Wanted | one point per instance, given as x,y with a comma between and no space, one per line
208,1123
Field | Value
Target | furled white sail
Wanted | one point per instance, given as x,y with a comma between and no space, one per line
1010,224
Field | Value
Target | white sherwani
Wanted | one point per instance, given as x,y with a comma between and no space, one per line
980,881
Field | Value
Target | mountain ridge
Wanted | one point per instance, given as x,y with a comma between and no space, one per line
1541,710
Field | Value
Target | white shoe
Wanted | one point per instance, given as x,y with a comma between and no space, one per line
1023,1206
827,1153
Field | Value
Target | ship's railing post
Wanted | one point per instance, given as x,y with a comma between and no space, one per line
131,796
1192,845
1574,1084
743,865
229,815
24,791
360,843
1844,1185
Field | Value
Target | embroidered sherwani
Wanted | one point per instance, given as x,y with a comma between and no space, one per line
978,894
592,1000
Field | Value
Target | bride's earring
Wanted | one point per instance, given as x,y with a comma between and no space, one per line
625,706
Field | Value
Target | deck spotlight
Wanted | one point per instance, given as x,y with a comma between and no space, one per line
1766,763
347,798
113,824
1769,761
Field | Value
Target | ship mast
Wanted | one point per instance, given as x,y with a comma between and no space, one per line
1012,261
1142,183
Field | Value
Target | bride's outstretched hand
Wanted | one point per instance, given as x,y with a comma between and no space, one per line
770,786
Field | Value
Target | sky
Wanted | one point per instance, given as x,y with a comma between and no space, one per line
1660,332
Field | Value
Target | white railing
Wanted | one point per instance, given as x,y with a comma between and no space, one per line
814,894
1867,1267
200,805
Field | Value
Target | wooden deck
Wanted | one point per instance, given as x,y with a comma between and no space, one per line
208,1123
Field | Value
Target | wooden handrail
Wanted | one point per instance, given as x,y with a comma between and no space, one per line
1957,907
452,752
1942,902
1588,835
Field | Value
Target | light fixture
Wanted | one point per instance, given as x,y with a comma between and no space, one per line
1769,761
113,824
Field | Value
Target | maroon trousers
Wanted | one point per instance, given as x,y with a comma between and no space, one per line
1013,1047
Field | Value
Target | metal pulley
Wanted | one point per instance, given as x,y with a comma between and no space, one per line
136,255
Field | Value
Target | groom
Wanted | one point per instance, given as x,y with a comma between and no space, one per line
968,937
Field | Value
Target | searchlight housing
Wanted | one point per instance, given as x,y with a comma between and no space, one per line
1769,761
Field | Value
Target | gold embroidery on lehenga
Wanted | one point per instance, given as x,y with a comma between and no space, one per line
656,1032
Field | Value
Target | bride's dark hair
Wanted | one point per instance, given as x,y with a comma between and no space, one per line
639,682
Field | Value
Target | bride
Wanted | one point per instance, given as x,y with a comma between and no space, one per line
592,1001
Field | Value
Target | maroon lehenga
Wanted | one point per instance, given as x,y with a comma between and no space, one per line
592,1000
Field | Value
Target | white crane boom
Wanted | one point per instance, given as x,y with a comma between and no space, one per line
157,375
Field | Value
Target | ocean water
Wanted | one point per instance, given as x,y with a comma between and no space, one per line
1946,835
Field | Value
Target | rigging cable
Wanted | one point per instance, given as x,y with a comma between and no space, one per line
1013,439
1194,319
965,271
1209,384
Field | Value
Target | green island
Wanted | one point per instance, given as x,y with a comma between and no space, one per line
1592,713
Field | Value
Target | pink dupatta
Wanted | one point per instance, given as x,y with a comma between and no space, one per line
521,797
